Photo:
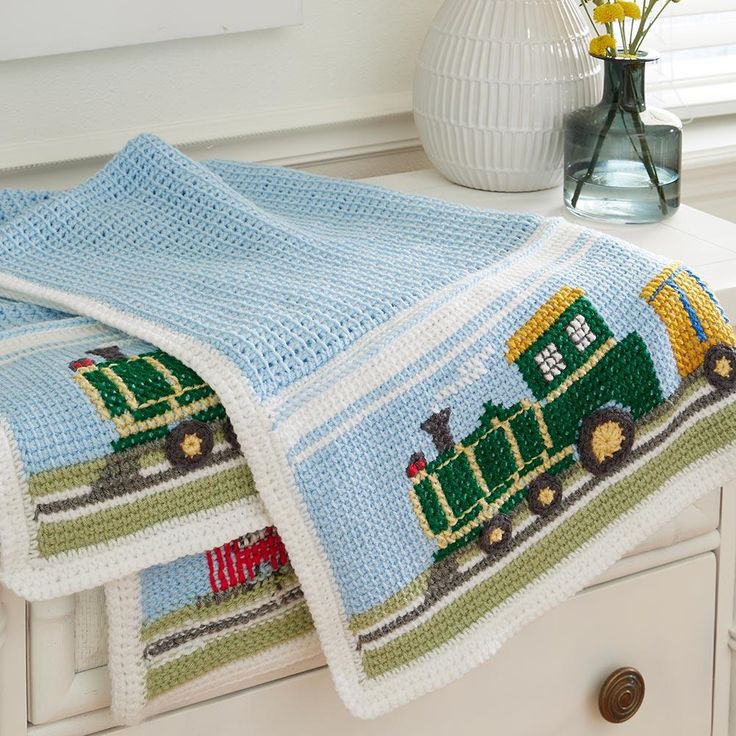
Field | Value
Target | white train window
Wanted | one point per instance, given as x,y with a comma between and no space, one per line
550,362
580,333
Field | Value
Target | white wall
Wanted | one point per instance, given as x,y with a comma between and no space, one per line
348,55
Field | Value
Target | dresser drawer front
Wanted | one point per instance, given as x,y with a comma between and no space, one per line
74,629
545,682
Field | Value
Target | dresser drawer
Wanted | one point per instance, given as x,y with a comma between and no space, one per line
544,682
68,653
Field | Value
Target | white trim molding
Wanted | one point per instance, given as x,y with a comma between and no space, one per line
3,624
724,665
12,664
732,645
366,136
282,135
56,690
727,600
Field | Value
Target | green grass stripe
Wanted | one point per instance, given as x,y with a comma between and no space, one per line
71,476
81,474
220,652
215,490
712,432
176,620
151,459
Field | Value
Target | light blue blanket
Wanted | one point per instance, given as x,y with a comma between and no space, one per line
456,418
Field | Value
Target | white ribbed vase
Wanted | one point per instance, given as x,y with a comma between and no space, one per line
493,82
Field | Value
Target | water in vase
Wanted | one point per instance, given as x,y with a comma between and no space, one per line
621,191
622,159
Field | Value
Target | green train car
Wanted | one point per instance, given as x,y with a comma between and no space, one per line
152,396
588,389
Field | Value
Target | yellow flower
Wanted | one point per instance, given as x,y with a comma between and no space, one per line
608,13
600,45
631,9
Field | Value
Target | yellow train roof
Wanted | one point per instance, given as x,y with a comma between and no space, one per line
541,321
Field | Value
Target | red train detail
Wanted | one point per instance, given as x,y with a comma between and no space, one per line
243,560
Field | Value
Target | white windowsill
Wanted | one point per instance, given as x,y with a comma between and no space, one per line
363,128
709,142
299,134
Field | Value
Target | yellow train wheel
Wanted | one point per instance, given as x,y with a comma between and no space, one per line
544,493
495,534
605,440
189,444
719,367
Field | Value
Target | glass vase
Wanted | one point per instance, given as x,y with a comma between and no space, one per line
622,158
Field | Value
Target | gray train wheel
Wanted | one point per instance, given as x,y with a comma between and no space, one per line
495,534
605,440
190,444
544,493
719,367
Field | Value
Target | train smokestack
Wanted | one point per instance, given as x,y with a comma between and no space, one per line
438,428
111,352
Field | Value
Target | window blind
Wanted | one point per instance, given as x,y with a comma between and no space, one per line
696,75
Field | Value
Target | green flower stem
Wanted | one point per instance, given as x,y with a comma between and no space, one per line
644,28
631,32
623,37
654,20
596,151
646,154
584,6
649,164
646,9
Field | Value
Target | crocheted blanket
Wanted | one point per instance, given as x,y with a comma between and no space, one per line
206,625
455,418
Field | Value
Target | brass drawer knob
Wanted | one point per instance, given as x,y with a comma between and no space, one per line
621,694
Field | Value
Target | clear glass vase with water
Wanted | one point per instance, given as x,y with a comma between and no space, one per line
622,158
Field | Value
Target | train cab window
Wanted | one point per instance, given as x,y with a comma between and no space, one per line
580,333
550,362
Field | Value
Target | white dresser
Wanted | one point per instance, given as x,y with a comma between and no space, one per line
666,610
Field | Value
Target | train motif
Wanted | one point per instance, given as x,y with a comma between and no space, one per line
588,391
152,396
245,561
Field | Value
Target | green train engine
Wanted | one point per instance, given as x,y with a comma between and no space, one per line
149,397
588,390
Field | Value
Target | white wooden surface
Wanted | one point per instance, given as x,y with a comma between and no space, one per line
56,690
12,664
62,690
724,683
90,630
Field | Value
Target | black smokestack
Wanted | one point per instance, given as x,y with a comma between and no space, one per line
438,428
112,352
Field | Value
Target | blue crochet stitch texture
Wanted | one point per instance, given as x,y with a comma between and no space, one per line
281,271
403,382
15,314
15,201
274,239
